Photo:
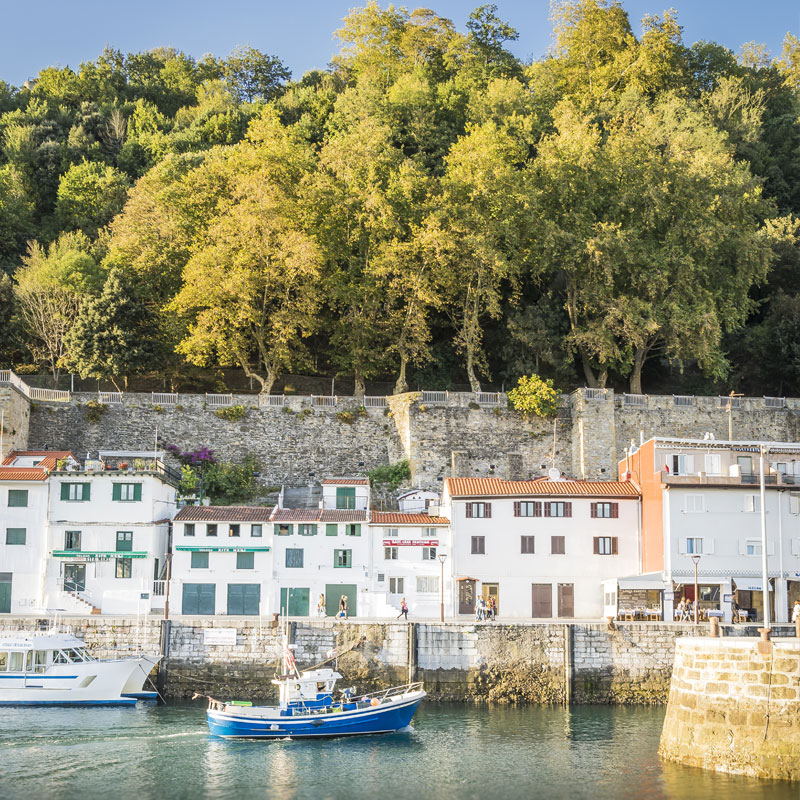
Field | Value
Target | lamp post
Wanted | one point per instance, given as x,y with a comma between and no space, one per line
696,561
442,559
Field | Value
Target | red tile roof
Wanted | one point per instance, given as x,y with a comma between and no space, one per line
224,514
48,461
405,518
346,482
497,487
22,474
343,515
318,515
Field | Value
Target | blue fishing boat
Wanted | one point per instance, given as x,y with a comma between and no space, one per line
307,708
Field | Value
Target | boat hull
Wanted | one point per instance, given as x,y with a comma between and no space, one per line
267,723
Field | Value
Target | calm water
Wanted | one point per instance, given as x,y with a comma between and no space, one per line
452,751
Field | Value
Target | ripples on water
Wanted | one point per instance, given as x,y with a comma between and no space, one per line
491,753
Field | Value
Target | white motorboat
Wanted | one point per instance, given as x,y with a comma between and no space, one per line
56,669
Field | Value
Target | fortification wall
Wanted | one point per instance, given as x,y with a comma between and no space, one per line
16,419
735,709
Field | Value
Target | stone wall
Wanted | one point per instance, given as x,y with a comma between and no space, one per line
455,437
735,709
16,419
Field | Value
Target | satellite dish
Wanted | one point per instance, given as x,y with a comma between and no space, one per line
554,474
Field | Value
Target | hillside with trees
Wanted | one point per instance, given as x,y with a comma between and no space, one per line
428,209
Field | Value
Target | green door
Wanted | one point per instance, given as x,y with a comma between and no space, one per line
5,592
244,599
295,601
198,598
334,592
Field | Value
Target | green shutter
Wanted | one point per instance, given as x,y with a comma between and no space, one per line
357,529
137,491
17,498
116,491
345,497
331,529
87,491
65,491
15,535
245,560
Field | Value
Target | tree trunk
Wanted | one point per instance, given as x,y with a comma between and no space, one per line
639,357
266,383
474,383
588,372
360,389
401,385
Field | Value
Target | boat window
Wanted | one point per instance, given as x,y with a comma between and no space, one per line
40,661
15,662
29,661
60,657
74,656
3,661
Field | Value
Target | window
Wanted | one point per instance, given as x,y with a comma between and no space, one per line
17,498
682,465
255,531
342,558
794,503
294,557
752,503
353,529
478,545
605,510
713,464
558,545
605,545
331,529
390,533
782,468
126,492
390,553
695,503
75,491
211,529
199,561
345,497
307,530
694,547
283,529
381,577
233,530
429,533
525,508
396,586
15,535
479,510
745,464
188,528
429,554
124,541
72,540
526,544
753,547
245,561
558,509
125,567
428,583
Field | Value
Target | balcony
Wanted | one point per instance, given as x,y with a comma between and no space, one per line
137,467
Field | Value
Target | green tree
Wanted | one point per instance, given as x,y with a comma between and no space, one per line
533,395
252,74
16,215
90,195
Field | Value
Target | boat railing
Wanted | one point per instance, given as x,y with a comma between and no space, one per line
394,691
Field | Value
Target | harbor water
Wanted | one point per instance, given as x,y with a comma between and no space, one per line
452,751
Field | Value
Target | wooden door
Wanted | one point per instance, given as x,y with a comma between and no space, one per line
466,597
244,599
542,596
566,600
490,590
5,592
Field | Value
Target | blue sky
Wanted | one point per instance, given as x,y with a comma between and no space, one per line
66,32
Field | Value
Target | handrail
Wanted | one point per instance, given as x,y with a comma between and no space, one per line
9,377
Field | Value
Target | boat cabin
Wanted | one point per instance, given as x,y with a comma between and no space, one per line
37,653
312,689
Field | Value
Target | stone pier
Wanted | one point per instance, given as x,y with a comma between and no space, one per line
735,709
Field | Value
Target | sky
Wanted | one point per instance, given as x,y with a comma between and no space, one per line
300,33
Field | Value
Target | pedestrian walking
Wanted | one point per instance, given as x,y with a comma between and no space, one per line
482,610
403,609
493,608
796,611
343,607
321,612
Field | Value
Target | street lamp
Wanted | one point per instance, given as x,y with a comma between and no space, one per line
696,561
442,559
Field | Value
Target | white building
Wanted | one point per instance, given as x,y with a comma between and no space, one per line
701,498
24,496
410,554
417,501
541,548
221,560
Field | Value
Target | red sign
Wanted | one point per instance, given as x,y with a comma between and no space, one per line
410,542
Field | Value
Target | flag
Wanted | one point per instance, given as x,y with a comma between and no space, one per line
332,653
289,661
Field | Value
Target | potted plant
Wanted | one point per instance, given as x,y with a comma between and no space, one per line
138,464
123,465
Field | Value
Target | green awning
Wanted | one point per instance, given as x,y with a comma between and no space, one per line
99,554
212,549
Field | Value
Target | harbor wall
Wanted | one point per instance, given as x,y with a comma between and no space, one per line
300,443
16,419
734,707
538,663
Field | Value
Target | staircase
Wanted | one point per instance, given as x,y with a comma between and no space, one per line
75,603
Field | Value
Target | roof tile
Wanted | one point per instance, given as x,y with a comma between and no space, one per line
497,487
224,513
405,518
22,474
346,482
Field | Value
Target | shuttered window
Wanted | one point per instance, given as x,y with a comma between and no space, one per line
342,558
527,508
282,529
75,491
605,510
199,561
353,529
478,545
17,498
307,530
605,545
526,544
558,545
126,492
331,529
245,560
15,535
124,541
479,510
558,509
294,557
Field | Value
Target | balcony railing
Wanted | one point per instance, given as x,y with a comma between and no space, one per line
735,402
323,400
434,397
164,398
775,402
375,401
219,400
488,398
637,400
271,401
683,399
594,394
114,398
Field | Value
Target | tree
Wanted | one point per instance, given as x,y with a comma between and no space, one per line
113,334
90,195
252,74
16,214
487,35
532,395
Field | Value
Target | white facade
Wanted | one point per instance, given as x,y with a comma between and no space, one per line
406,551
417,501
542,549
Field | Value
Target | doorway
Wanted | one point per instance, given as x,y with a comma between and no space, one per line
333,594
74,577
542,601
489,591
295,602
566,599
466,596
5,592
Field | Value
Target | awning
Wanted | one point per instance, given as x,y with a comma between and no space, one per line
212,549
98,555
749,584
466,579
650,580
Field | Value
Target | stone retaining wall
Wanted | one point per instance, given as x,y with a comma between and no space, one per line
16,419
735,709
